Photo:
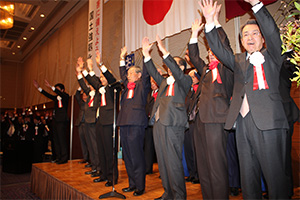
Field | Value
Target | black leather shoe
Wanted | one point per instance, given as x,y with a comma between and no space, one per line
97,180
108,184
95,174
138,192
128,189
83,162
90,172
88,165
62,162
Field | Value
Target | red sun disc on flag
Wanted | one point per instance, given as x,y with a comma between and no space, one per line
154,11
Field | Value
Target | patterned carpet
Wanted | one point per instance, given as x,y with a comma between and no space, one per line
15,186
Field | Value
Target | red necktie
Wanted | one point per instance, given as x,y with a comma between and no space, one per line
154,95
215,72
195,87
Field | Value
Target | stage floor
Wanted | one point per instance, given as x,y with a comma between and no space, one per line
68,181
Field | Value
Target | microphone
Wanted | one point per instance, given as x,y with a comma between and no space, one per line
117,83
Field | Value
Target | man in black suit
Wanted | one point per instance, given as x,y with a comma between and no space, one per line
256,107
148,142
189,144
291,111
61,101
104,126
132,120
211,106
80,123
91,107
170,119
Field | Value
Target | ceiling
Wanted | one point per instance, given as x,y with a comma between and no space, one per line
27,15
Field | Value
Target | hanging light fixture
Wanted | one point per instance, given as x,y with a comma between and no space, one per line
6,15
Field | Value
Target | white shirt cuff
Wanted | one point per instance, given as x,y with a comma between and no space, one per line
193,41
218,25
92,73
257,7
40,89
146,59
103,68
53,88
166,55
122,62
79,76
85,73
209,27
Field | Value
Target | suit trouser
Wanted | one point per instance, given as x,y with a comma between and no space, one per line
233,162
168,141
60,140
189,151
83,141
92,146
132,140
210,144
289,170
108,163
149,149
261,151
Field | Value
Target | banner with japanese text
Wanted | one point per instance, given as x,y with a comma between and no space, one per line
95,25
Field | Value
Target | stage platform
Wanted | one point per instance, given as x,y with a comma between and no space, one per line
68,181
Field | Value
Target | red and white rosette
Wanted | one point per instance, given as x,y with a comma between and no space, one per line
170,89
130,87
259,79
103,97
60,105
92,95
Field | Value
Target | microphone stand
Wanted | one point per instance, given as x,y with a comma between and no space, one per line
113,193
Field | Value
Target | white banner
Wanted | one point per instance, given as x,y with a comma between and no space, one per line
95,31
152,17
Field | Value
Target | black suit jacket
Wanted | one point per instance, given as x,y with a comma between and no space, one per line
265,105
81,104
133,110
172,110
90,111
214,97
60,114
290,107
106,113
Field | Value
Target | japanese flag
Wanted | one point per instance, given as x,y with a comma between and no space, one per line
152,17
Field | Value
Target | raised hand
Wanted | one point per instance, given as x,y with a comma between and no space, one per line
47,84
89,64
197,26
160,45
146,46
123,53
36,84
98,57
79,65
208,9
217,14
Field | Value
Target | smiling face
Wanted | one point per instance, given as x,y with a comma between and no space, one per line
252,39
133,75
